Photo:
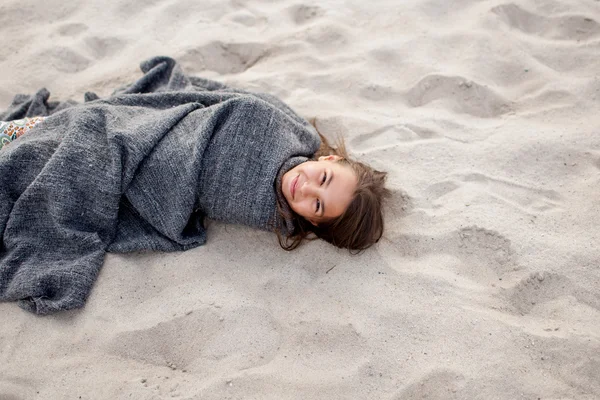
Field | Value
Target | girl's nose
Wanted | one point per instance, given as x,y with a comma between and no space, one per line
307,189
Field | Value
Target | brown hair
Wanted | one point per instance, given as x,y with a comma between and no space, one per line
361,225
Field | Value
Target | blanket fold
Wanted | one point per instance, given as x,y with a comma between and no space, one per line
140,170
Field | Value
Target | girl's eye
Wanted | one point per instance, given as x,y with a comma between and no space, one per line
324,178
318,205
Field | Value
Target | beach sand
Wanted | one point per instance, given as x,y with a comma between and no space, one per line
486,284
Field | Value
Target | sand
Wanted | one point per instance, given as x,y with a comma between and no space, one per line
487,282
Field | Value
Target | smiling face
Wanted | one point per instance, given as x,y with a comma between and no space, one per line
319,190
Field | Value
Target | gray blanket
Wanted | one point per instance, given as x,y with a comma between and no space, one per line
139,170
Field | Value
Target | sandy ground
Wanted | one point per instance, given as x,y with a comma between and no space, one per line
487,283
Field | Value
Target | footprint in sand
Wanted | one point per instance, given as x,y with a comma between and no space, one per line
392,135
582,356
525,198
133,9
320,345
100,47
547,99
16,388
483,245
64,59
528,199
19,12
224,58
247,18
485,255
247,337
565,27
384,55
462,96
541,287
438,190
302,13
376,92
440,384
79,57
594,157
71,29
10,396
330,37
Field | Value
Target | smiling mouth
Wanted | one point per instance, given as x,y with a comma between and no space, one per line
293,187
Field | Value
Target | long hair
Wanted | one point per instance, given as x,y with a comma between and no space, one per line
361,225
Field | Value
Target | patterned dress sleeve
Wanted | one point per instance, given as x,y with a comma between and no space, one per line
11,130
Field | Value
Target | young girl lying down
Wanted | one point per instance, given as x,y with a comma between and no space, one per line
142,169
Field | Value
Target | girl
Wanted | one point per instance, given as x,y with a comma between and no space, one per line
334,198
142,169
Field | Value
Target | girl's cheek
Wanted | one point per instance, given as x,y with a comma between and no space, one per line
305,208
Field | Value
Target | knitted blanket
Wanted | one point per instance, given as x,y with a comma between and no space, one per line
138,170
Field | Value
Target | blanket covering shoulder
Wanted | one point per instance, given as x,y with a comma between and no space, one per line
139,170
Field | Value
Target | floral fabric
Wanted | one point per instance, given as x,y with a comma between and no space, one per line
10,130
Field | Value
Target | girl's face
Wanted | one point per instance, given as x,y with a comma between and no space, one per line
319,190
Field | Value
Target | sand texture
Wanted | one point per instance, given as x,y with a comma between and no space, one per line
486,115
